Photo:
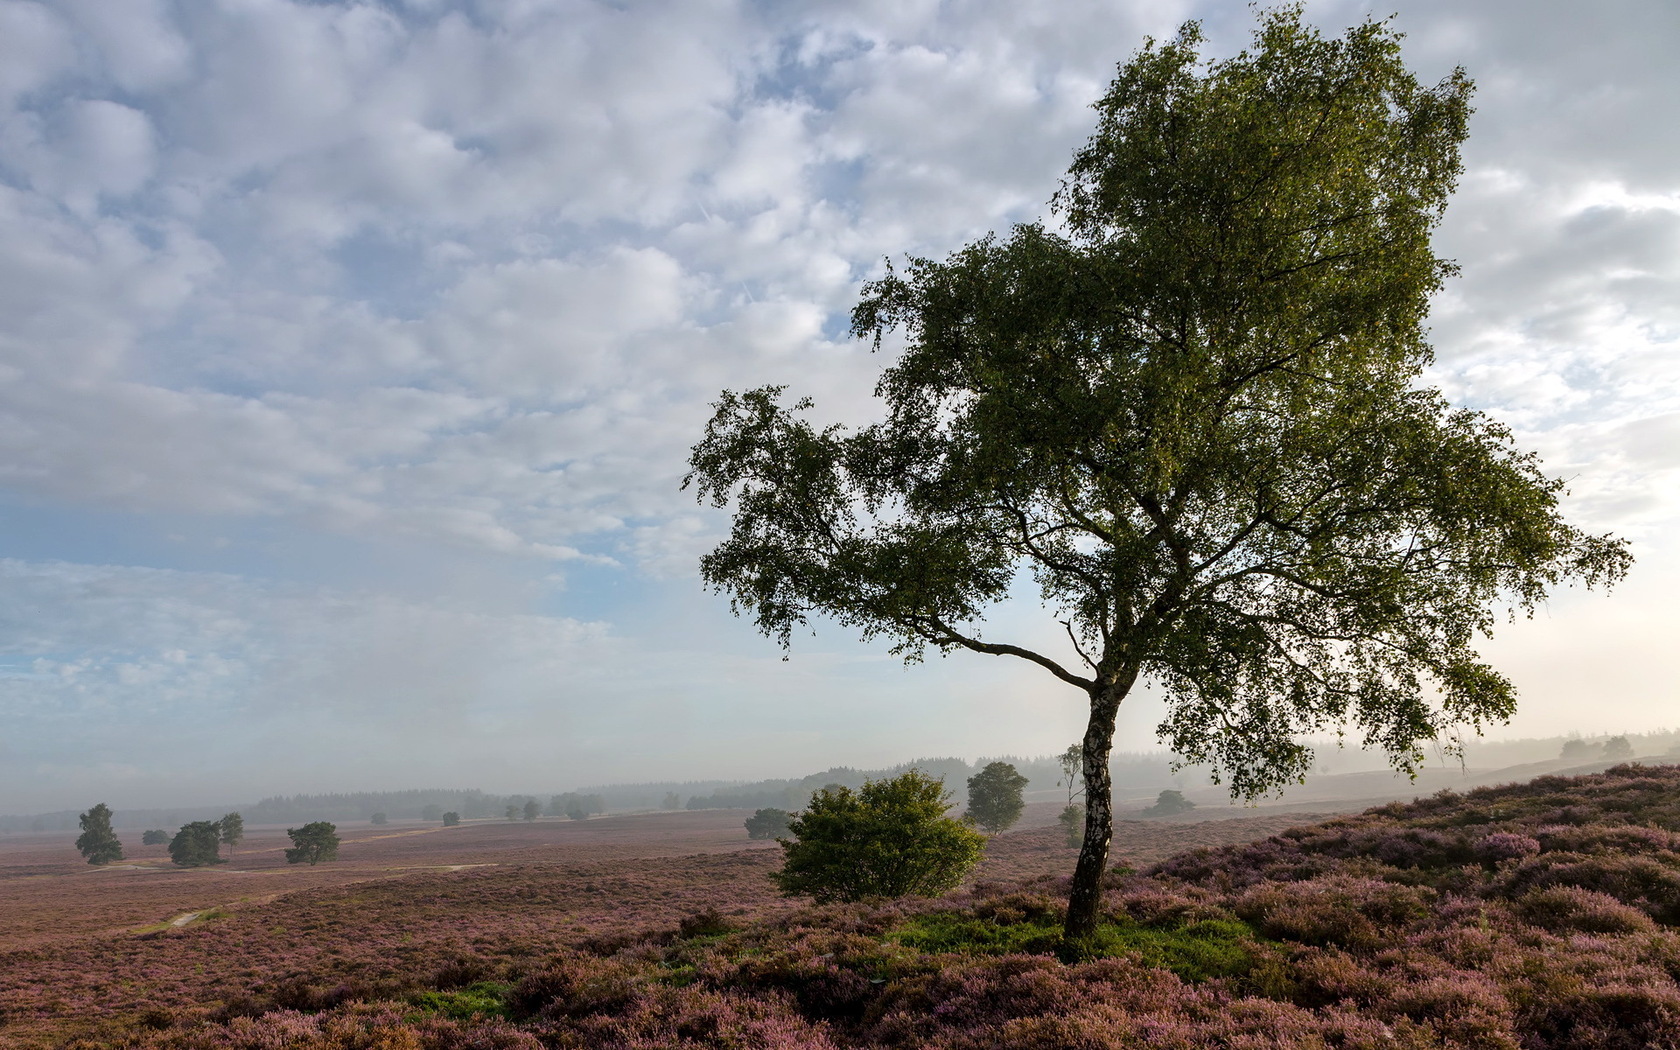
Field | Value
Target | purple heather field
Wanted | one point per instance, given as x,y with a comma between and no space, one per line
1539,916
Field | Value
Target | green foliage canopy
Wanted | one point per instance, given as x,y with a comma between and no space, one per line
97,842
1168,803
312,843
1197,416
154,837
994,797
890,838
233,829
768,823
1072,822
197,844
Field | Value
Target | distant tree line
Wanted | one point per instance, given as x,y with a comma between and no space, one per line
1134,774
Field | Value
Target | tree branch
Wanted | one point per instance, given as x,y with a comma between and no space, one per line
942,634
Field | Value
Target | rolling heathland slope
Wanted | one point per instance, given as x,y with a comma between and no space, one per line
1541,916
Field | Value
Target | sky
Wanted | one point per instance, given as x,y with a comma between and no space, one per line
351,352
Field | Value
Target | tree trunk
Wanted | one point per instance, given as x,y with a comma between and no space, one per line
1085,900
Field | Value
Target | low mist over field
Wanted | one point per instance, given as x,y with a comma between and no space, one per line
1342,778
351,354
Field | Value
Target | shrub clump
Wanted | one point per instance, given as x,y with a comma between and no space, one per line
890,838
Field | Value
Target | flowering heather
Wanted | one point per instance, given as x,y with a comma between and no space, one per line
1540,916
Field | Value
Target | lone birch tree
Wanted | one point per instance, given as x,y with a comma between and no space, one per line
1196,414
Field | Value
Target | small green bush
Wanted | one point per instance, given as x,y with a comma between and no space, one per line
1072,821
890,838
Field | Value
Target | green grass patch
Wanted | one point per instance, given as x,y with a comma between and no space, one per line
1195,951
969,935
482,999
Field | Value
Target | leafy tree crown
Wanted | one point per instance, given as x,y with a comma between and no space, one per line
197,844
994,796
314,842
768,823
1195,415
97,842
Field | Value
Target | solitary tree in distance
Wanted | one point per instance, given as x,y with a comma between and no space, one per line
1198,417
1072,816
312,843
994,797
1169,803
1576,749
97,842
451,819
1617,748
890,838
532,810
233,831
768,823
154,837
380,819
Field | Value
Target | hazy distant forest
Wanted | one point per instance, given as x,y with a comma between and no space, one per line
1139,774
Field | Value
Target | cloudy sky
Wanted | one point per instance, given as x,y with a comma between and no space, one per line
350,353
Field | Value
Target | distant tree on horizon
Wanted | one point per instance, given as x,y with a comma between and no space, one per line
768,823
233,831
97,842
1168,803
1618,747
532,810
451,819
994,797
671,801
1576,749
154,837
1072,762
313,843
197,844
380,818
576,806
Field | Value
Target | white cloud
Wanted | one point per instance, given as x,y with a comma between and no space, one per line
137,43
468,280
36,47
